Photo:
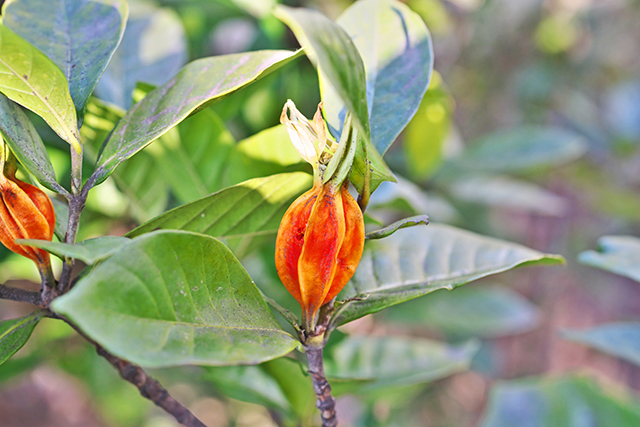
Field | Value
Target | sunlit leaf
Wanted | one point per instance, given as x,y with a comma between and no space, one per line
79,36
29,78
617,254
416,261
175,298
198,84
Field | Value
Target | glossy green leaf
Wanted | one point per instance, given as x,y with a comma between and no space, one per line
617,254
392,228
237,214
505,192
152,50
333,52
470,311
559,402
29,78
519,149
396,361
79,36
175,298
15,333
417,261
249,384
200,83
395,47
26,144
618,339
88,251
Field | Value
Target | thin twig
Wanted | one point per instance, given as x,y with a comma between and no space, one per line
326,402
148,387
20,295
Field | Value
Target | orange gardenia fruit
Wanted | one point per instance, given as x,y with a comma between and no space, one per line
26,212
319,245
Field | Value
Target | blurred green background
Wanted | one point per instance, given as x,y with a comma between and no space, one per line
530,132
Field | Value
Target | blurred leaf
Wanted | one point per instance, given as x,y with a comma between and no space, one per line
79,36
294,383
519,149
29,78
415,262
15,333
407,197
237,214
192,156
62,217
618,339
622,110
617,254
189,90
17,366
502,191
175,298
88,251
427,132
403,223
470,311
394,361
559,402
153,49
26,144
395,47
249,384
263,154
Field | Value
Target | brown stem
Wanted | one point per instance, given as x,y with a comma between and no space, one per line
148,387
20,295
326,403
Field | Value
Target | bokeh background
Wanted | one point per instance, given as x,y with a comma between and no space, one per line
530,132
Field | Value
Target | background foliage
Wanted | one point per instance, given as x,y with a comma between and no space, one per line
529,132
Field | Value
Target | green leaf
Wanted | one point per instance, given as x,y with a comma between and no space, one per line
198,84
563,401
237,214
249,384
502,191
470,311
395,47
88,251
175,298
369,169
618,339
396,361
295,383
520,149
392,228
618,254
415,262
29,78
152,50
333,52
15,333
26,144
79,36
